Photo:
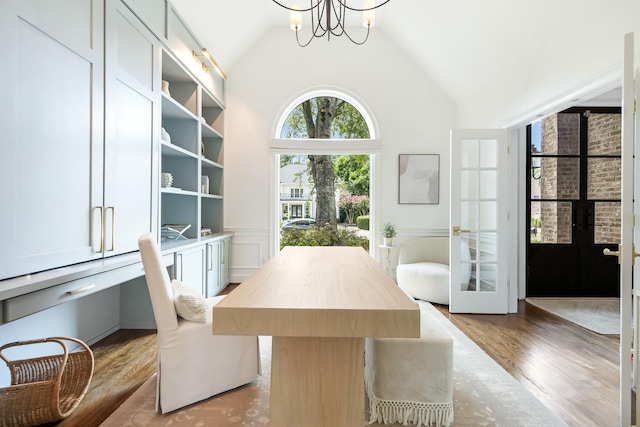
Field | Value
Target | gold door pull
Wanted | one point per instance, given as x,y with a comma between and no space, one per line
457,230
618,253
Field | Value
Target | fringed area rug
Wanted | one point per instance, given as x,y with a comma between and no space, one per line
600,315
484,395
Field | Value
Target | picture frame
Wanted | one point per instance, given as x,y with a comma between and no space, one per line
419,179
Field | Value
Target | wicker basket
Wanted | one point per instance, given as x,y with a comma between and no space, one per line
45,389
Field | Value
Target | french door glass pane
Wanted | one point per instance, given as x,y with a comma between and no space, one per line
488,214
605,135
468,153
469,184
560,134
488,153
604,178
554,225
488,184
487,247
559,178
607,223
468,215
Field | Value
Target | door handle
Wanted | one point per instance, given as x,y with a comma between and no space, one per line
457,230
618,253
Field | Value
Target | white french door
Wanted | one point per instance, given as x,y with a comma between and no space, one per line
479,221
629,292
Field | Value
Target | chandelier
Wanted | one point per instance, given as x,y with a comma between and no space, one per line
329,17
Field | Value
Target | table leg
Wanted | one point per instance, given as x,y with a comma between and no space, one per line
317,382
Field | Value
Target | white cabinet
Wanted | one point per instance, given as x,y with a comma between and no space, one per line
213,268
51,150
189,267
132,128
75,178
225,262
217,265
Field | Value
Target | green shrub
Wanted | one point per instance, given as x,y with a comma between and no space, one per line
363,222
323,236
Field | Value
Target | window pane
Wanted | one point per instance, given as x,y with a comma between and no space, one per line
561,134
605,134
604,178
488,153
488,215
468,215
488,184
607,223
559,178
555,222
469,184
469,153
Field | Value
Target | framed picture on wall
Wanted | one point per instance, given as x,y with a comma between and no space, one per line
419,179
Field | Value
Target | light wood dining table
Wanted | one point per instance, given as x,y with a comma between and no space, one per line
318,304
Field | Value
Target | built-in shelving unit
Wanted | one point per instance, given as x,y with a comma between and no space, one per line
193,118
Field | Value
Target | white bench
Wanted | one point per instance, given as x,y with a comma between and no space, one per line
410,380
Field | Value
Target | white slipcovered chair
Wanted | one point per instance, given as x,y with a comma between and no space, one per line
193,364
423,268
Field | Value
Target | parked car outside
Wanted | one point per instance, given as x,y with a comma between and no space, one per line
299,224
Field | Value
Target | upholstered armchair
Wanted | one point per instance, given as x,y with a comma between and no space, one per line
193,364
423,268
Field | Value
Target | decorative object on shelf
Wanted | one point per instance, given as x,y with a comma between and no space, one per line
418,179
205,184
167,180
329,17
388,233
165,87
174,231
202,148
205,231
165,136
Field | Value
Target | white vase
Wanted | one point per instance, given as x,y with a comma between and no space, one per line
165,87
388,241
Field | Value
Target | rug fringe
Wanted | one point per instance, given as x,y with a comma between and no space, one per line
419,413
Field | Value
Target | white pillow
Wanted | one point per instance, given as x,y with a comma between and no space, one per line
190,304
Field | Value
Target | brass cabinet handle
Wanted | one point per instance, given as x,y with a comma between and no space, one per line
101,250
82,289
457,230
113,228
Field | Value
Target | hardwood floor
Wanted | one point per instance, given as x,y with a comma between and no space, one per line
571,370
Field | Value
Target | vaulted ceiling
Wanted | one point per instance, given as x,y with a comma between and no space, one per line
470,48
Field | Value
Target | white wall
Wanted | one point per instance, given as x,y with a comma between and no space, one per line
412,115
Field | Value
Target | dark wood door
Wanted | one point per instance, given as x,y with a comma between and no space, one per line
573,203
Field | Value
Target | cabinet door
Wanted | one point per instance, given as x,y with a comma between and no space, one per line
132,125
190,267
213,269
224,263
51,119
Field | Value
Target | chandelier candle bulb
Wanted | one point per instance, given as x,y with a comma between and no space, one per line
369,16
295,17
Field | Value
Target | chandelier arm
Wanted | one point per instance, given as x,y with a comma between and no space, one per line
308,41
355,9
314,6
344,31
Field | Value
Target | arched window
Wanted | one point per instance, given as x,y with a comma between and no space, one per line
324,129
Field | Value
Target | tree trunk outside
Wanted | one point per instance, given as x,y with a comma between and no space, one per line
322,165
